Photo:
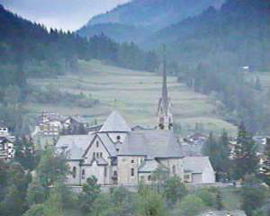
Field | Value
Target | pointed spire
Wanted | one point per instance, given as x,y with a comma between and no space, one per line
165,121
165,102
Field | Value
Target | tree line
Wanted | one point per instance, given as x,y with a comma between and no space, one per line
208,53
242,161
28,49
32,184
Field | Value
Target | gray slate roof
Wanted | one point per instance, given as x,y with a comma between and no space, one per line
74,145
151,143
115,123
109,145
196,164
149,166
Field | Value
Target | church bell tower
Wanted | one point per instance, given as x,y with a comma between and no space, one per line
165,117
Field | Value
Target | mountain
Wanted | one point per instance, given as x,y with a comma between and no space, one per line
28,49
119,32
145,16
215,53
236,34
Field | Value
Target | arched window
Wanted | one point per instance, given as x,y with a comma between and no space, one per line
118,138
105,171
97,143
173,170
132,172
74,172
83,174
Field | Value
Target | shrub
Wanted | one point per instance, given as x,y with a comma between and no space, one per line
208,197
191,205
174,190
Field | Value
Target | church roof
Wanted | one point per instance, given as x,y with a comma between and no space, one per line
74,145
151,143
196,164
150,166
115,123
109,145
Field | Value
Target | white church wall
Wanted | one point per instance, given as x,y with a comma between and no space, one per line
97,149
128,169
94,170
175,165
197,178
145,178
74,177
209,175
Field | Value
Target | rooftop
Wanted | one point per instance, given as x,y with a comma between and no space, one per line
152,143
115,123
196,164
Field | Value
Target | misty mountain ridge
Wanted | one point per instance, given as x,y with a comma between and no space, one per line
145,16
239,31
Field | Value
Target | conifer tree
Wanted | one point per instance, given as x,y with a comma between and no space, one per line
224,155
266,163
245,154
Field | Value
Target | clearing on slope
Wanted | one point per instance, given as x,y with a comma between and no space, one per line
134,93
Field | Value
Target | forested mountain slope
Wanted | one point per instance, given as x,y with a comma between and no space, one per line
144,15
30,50
238,34
210,51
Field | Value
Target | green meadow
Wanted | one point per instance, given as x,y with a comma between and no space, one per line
134,93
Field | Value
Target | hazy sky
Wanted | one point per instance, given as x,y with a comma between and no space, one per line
65,14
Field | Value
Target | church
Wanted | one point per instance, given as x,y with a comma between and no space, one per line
119,155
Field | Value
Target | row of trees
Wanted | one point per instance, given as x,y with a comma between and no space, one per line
28,49
239,98
241,161
33,185
236,160
210,51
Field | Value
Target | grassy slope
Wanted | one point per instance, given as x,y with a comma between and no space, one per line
135,94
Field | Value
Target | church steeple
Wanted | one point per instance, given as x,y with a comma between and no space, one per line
165,119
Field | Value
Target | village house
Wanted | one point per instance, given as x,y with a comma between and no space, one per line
117,155
54,124
49,124
198,170
7,151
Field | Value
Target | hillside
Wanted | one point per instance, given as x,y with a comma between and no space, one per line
134,93
237,34
148,16
30,50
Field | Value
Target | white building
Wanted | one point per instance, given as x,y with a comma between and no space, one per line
198,170
7,151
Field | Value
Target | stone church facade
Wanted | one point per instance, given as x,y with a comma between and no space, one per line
119,155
